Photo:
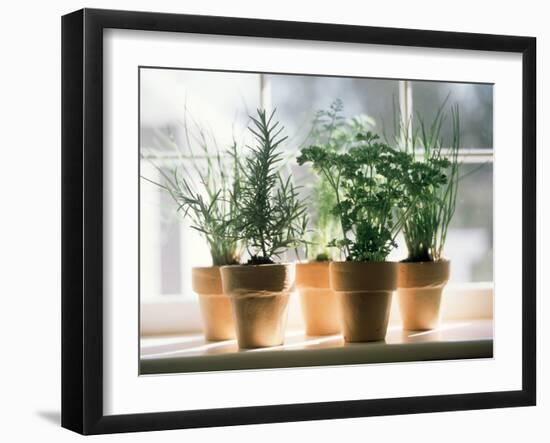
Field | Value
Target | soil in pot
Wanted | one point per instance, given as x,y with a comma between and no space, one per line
216,309
364,291
319,302
420,286
259,295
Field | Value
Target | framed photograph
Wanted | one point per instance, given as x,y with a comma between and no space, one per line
269,221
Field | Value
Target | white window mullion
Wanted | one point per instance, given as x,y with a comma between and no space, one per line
265,93
406,108
150,234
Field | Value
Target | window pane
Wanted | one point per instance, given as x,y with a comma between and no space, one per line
470,236
476,108
175,107
170,259
219,102
298,97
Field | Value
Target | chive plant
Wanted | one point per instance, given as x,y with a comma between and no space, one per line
426,226
271,217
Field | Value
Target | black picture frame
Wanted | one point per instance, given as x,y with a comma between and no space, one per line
82,220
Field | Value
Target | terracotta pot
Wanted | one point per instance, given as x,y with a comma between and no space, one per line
216,310
259,295
364,291
319,302
419,290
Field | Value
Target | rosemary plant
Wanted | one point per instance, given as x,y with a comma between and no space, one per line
426,226
372,185
210,201
271,217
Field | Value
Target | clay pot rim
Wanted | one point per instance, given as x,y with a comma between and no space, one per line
364,276
202,268
437,262
423,275
355,263
313,275
305,262
206,280
263,265
314,263
264,278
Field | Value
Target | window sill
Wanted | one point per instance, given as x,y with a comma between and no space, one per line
180,314
191,353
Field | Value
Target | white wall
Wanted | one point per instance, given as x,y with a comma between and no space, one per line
30,218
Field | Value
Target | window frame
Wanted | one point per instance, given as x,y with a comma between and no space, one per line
475,155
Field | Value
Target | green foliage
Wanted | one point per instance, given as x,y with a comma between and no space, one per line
210,202
327,131
333,133
271,218
425,228
325,224
374,188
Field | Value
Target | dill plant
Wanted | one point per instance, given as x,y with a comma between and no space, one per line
205,187
334,133
327,130
271,217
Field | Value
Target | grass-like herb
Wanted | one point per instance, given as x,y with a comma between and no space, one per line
271,217
210,202
426,226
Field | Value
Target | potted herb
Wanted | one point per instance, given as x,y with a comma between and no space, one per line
270,220
425,272
318,301
369,181
206,193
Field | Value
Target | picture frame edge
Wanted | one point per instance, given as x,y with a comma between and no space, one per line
82,235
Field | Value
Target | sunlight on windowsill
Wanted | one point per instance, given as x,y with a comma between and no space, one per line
194,345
